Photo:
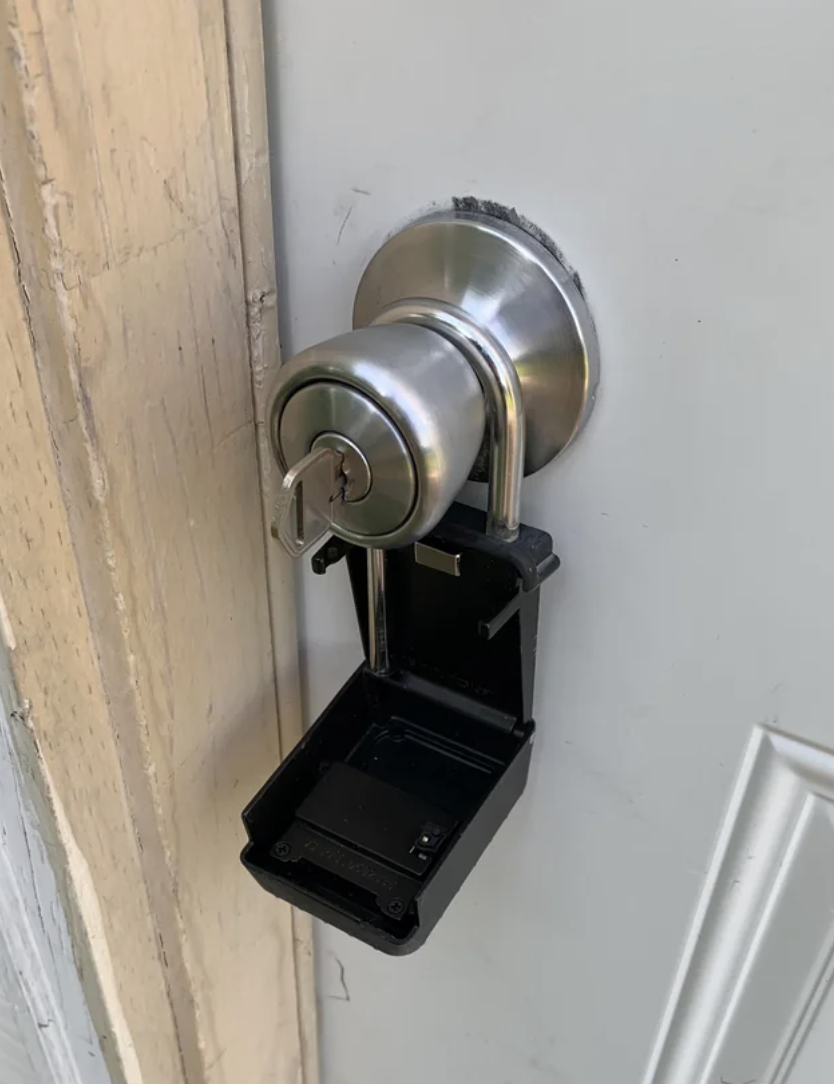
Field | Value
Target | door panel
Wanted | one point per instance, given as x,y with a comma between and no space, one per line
755,978
682,157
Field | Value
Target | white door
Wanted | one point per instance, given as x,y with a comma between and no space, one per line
682,156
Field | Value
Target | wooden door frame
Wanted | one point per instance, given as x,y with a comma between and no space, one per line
149,623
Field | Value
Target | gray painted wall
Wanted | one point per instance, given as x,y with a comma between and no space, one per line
15,1063
46,1034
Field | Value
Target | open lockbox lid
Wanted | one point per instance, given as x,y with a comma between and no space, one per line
375,819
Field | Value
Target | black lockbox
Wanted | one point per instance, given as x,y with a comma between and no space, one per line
375,819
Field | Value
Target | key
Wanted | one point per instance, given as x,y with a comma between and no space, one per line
304,509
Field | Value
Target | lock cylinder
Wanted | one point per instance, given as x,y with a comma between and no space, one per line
403,408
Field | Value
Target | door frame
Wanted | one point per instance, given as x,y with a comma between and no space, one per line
149,624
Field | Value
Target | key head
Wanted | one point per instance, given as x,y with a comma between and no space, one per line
304,509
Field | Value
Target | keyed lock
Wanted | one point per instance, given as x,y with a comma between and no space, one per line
473,355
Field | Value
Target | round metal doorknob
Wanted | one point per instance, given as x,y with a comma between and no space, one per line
473,355
410,412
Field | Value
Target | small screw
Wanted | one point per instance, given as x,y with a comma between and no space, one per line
396,906
281,850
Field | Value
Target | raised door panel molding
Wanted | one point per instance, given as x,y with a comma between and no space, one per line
758,961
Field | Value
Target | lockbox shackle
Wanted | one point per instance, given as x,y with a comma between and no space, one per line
506,425
501,386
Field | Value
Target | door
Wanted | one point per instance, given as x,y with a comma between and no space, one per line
658,908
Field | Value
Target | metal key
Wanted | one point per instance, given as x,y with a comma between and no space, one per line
304,509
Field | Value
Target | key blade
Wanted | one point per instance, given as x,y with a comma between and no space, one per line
304,509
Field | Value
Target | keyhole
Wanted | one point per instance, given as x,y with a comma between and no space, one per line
355,467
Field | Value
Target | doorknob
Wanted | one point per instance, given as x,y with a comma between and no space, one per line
473,355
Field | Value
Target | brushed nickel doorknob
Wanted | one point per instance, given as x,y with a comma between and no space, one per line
473,354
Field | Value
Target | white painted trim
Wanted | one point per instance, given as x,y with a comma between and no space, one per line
759,957
36,955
